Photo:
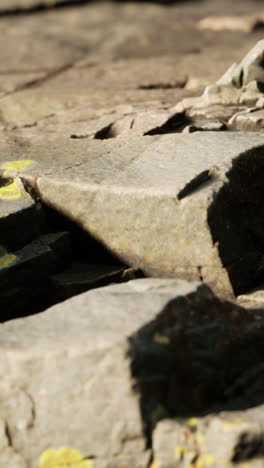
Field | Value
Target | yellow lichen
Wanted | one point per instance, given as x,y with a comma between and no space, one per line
6,258
17,165
192,422
64,458
199,437
209,459
154,464
162,339
12,191
179,451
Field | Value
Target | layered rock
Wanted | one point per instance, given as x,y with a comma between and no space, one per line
241,86
171,205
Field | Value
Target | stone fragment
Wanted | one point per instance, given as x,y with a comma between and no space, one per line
82,276
138,124
18,214
26,286
253,299
209,126
171,205
248,120
231,23
241,84
215,440
40,257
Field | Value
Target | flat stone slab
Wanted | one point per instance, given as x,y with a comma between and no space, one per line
77,363
119,359
172,205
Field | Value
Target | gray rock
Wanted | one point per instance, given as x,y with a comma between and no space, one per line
72,364
241,84
119,359
171,205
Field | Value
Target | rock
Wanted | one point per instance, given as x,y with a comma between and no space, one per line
97,369
248,120
231,23
81,277
19,213
208,126
139,123
214,440
97,363
26,286
253,299
139,352
86,64
190,184
241,84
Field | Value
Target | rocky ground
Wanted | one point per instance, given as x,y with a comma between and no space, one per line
131,234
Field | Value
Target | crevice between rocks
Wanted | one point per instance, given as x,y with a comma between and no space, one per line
40,7
58,261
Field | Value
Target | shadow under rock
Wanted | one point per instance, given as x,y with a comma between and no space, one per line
45,274
236,220
40,6
195,358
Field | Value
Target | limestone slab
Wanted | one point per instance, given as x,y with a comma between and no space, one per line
171,205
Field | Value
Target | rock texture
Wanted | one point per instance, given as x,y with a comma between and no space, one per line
123,155
171,205
239,88
133,353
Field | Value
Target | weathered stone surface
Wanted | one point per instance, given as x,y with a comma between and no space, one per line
145,197
67,70
241,85
253,299
232,23
226,438
91,330
120,358
248,120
